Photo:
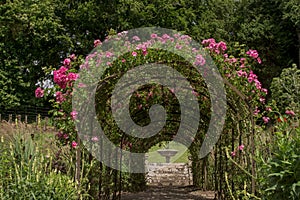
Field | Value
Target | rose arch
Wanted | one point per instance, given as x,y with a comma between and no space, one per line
139,88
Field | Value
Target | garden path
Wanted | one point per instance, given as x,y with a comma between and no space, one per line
170,192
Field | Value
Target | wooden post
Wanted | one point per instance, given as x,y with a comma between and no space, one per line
19,119
26,120
37,122
253,169
0,118
10,118
78,165
45,124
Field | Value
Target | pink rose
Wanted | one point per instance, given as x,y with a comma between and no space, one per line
266,119
290,112
74,144
97,43
134,53
74,114
241,147
39,92
72,76
67,62
59,97
233,153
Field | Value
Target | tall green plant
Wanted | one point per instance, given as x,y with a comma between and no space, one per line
281,175
26,172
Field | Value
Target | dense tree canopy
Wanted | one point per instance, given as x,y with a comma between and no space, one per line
35,34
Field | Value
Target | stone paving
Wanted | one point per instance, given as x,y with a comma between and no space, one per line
169,174
170,192
169,181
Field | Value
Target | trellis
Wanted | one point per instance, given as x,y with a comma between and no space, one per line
218,171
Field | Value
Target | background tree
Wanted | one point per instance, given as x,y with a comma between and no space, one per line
31,37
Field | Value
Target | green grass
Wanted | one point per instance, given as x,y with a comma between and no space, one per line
180,157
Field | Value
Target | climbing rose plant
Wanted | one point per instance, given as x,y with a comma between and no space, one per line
236,70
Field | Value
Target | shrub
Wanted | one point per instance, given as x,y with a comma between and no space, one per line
282,174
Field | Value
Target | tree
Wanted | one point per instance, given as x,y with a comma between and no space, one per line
31,37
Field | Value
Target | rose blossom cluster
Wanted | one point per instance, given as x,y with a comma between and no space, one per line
211,44
254,54
63,77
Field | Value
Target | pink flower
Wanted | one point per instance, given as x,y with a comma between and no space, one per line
39,92
208,41
72,76
259,60
65,136
134,53
153,35
59,134
241,147
166,36
222,46
262,100
252,53
59,97
95,139
81,85
136,38
60,77
144,52
195,93
256,111
67,62
150,94
97,42
232,60
241,73
72,56
74,144
266,119
258,84
178,46
109,54
74,114
233,153
269,109
264,90
252,77
199,60
123,60
140,106
290,112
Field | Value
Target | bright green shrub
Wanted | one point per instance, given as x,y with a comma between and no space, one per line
282,171
285,90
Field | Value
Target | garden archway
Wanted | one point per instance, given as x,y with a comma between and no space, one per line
244,95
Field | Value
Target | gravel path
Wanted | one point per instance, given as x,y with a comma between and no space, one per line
174,193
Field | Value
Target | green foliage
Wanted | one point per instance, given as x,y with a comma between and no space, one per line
31,37
264,25
281,172
28,171
25,175
285,90
35,34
